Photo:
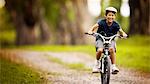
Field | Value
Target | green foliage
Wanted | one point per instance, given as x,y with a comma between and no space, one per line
7,32
54,9
125,24
13,73
7,38
116,4
123,21
70,10
104,4
51,9
71,14
5,22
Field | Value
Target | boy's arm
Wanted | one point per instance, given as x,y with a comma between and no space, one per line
121,32
93,29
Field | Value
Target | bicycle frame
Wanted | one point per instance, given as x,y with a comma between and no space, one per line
106,42
105,59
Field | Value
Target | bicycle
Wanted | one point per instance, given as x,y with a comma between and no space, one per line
105,66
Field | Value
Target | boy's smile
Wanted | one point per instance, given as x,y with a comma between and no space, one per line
110,17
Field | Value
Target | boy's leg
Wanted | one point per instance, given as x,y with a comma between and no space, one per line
112,50
99,51
112,55
97,62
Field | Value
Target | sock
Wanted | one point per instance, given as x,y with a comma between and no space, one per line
96,61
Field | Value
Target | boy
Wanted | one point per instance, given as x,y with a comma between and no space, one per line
107,25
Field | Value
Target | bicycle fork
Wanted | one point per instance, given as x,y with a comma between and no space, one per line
103,60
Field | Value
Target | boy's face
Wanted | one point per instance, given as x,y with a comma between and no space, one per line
110,17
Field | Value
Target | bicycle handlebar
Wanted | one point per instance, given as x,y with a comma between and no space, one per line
104,37
97,34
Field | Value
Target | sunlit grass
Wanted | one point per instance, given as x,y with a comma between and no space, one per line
135,40
134,57
61,48
77,66
134,53
13,73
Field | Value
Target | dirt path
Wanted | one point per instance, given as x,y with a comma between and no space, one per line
57,73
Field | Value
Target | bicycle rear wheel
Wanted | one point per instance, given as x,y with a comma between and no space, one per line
105,76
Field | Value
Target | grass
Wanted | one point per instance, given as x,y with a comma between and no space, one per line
77,66
134,53
13,73
61,48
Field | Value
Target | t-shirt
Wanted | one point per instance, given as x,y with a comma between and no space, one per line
106,30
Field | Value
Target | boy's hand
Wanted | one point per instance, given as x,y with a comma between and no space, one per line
90,32
125,35
122,33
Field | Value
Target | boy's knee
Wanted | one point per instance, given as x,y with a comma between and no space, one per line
111,50
100,50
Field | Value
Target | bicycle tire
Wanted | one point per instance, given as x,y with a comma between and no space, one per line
105,77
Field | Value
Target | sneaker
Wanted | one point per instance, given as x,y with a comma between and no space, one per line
115,70
96,68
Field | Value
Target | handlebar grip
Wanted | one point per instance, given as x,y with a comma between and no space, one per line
127,36
88,33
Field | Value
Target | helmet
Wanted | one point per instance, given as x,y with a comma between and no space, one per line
111,9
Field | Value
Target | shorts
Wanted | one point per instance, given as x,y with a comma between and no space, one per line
99,44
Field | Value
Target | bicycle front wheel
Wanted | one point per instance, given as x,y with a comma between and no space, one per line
105,76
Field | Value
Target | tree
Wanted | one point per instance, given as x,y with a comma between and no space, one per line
139,17
67,18
64,17
26,15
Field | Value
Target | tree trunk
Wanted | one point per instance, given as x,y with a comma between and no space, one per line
139,17
70,31
25,16
44,28
24,34
62,32
82,20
